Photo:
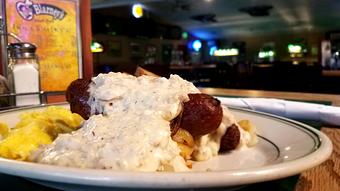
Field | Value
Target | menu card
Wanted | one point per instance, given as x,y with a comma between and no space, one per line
52,25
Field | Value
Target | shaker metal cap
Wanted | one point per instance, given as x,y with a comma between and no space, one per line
22,50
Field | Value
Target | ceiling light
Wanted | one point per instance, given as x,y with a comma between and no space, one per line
197,45
137,10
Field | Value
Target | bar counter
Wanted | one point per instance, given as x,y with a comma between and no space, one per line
323,177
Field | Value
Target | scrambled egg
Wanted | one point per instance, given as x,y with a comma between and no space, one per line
3,130
35,129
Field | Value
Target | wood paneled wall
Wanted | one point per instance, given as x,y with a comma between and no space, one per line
86,37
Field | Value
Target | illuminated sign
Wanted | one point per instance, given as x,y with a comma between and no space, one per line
266,54
226,52
294,48
96,47
212,50
185,35
137,10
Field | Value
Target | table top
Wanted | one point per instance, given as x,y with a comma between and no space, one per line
323,177
334,99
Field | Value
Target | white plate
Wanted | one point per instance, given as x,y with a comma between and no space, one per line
286,148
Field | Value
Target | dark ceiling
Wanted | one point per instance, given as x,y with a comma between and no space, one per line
223,18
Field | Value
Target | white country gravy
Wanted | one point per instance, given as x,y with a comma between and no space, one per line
133,133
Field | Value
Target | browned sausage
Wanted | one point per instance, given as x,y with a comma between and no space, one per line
201,115
230,139
77,95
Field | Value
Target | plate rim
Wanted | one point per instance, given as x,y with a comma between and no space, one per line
170,179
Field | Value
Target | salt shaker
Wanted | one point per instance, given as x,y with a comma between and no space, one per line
24,73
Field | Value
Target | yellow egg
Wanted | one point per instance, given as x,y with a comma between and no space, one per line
63,118
34,129
3,130
20,142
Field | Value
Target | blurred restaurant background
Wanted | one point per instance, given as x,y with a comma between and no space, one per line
285,45
282,53
259,44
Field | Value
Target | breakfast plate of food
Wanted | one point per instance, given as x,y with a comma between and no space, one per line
121,131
